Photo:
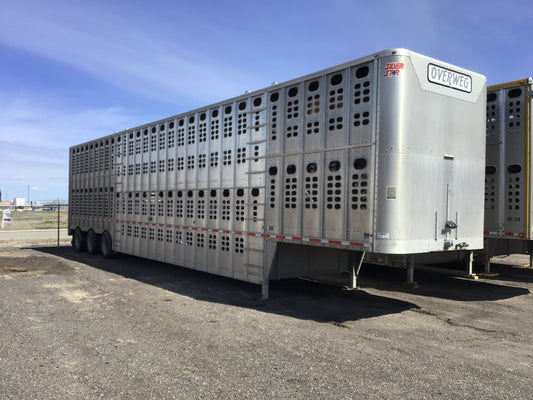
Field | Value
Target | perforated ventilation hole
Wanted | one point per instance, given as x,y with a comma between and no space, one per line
515,93
189,193
242,106
359,163
181,122
131,135
257,101
240,192
225,193
202,117
255,192
334,165
311,168
138,133
293,92
191,119
154,129
162,127
313,86
491,97
490,170
336,79
227,110
214,113
514,169
291,169
274,97
273,171
171,125
362,72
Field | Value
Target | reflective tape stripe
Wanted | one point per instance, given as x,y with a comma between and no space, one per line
256,234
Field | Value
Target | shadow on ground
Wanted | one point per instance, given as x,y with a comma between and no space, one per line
295,298
511,273
448,281
303,299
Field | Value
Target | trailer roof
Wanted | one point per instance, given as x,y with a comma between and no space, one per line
505,85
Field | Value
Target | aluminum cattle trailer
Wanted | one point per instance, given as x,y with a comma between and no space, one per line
380,158
508,172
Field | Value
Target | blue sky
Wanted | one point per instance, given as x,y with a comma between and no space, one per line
73,71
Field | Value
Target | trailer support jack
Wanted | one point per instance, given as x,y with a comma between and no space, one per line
264,291
357,263
469,264
411,270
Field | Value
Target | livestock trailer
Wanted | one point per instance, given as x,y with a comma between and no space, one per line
508,173
377,159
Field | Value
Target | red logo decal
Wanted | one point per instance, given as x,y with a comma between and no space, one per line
393,69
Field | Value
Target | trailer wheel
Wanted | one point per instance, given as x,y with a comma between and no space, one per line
78,240
93,242
106,245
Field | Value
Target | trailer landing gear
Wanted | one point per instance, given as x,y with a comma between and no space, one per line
410,263
357,263
264,291
469,264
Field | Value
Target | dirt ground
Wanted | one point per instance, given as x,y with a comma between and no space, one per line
79,326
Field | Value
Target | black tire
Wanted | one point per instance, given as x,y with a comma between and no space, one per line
106,245
78,240
93,242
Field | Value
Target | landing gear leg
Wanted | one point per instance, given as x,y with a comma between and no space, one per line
357,263
264,291
470,263
411,271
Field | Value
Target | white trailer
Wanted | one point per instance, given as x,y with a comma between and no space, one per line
380,158
508,173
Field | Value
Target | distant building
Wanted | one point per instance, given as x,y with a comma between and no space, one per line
54,205
19,202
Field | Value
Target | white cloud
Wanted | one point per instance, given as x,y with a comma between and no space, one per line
116,50
39,122
34,138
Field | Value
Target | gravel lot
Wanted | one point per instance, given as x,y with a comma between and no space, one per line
78,326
